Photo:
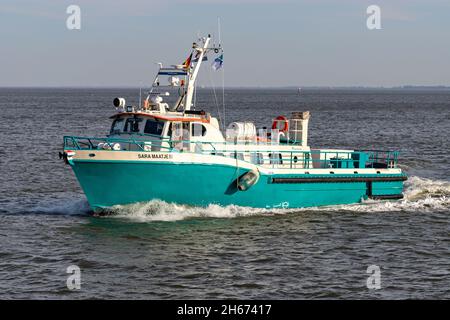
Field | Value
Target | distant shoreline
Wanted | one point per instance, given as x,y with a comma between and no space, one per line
331,88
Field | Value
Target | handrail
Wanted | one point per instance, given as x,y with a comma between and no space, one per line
266,156
143,135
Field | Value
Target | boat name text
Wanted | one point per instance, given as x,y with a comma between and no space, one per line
154,156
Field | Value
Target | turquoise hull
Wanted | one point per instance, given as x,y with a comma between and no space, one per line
109,183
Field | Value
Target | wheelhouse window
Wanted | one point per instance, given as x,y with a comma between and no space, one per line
153,126
198,130
117,126
184,126
132,125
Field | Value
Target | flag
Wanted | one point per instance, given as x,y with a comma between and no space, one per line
197,55
218,62
187,62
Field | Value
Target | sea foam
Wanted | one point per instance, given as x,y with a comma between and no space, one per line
420,194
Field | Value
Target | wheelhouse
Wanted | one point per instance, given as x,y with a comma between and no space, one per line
177,127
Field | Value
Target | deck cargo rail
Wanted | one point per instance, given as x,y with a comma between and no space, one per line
273,155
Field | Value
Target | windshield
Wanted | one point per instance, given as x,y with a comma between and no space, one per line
153,126
117,126
132,125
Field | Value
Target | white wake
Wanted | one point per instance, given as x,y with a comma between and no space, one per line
420,195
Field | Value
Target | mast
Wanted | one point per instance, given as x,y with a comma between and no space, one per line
193,75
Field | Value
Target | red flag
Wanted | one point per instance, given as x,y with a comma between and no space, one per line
187,62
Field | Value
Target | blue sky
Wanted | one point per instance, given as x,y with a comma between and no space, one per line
267,42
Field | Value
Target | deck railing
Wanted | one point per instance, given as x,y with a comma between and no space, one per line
267,155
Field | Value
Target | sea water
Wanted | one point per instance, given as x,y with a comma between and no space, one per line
161,250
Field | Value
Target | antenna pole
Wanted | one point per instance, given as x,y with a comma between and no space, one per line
193,76
223,77
218,28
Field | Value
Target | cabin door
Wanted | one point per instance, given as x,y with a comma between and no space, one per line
181,135
198,137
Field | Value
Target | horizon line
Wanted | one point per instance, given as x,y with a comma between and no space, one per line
231,87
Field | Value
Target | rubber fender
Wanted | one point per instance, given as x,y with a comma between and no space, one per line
247,180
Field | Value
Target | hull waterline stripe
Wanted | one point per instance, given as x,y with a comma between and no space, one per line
387,197
337,179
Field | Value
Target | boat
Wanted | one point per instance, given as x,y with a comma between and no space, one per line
167,148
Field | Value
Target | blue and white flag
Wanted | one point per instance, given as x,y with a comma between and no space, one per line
218,62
